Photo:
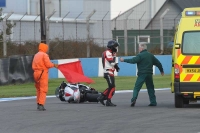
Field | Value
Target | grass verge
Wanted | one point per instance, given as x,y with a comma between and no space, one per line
122,83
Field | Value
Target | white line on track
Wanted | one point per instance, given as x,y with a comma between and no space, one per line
32,97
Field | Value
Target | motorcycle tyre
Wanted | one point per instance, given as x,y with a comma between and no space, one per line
90,97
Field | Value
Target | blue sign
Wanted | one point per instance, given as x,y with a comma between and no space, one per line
2,3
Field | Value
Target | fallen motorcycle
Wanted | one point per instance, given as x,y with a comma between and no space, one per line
76,93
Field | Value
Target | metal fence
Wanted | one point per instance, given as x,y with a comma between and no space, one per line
97,31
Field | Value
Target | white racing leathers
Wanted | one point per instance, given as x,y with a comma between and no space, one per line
108,62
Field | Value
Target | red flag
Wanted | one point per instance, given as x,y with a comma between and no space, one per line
73,72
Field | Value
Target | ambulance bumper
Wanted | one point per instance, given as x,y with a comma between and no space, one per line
187,87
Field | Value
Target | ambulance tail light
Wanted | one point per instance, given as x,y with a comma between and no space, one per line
176,71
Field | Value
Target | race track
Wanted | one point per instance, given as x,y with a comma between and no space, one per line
21,116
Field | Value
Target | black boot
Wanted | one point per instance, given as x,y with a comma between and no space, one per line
41,108
101,99
109,103
133,103
152,104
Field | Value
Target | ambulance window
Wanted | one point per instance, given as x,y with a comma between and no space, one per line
191,43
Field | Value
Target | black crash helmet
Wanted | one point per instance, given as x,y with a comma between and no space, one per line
112,45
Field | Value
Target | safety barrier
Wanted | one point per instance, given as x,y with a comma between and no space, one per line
92,67
18,69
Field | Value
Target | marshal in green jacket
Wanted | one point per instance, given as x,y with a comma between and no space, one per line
145,62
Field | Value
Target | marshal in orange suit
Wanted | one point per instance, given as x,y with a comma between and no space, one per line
40,65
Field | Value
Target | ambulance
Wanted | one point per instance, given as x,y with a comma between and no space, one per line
185,76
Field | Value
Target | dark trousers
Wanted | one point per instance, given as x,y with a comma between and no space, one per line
148,80
109,92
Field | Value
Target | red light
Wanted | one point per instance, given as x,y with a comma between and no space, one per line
176,71
198,13
67,94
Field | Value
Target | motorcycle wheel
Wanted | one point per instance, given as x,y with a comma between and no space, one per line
92,97
57,92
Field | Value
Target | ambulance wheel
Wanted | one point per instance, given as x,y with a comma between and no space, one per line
186,101
178,101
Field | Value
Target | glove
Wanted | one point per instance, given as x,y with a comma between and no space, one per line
56,65
116,67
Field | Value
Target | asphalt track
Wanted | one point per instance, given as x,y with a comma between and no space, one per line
21,116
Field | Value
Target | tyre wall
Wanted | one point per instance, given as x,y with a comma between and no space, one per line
16,69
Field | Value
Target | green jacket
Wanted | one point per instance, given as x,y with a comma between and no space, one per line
145,62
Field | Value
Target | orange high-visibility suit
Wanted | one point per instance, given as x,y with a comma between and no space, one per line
40,65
